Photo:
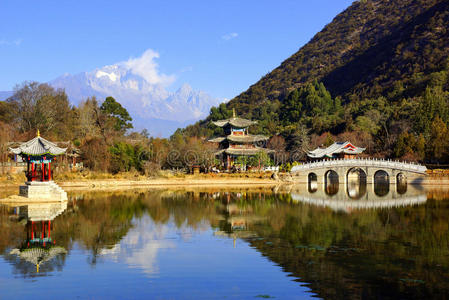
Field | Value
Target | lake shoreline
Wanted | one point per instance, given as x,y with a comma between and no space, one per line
121,184
193,181
126,183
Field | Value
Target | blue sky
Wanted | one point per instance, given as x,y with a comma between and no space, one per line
221,47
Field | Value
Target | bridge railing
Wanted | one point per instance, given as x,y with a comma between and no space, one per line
361,162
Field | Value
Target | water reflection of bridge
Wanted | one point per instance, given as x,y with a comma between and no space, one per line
343,197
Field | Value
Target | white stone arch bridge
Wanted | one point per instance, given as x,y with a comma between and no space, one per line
321,171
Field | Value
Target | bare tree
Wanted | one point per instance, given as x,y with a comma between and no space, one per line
5,137
278,144
87,116
40,106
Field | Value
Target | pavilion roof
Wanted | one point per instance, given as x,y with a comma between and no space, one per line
335,148
252,151
247,138
37,147
240,138
217,139
236,122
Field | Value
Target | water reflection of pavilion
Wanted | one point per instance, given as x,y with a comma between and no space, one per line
237,218
39,247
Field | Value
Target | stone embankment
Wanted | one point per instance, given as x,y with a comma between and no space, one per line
120,184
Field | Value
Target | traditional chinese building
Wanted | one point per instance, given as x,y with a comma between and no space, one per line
238,142
344,150
38,153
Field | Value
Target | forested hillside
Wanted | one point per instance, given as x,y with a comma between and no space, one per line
377,74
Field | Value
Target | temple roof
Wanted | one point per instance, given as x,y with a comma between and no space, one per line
235,151
217,139
235,121
335,148
240,138
37,147
247,138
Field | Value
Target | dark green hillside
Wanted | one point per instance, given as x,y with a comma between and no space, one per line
378,73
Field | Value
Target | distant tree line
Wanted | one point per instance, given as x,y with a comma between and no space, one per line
102,131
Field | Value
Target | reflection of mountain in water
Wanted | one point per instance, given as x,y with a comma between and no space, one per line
397,252
140,247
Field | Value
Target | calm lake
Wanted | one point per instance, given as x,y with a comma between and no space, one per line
289,242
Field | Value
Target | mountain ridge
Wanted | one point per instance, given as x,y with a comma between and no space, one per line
379,73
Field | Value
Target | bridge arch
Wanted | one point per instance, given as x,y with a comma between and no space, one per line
331,177
331,182
381,183
312,182
356,174
401,183
356,190
382,177
356,179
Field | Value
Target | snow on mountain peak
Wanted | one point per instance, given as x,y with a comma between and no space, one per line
111,76
139,86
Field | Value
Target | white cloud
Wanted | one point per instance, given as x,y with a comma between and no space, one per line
147,68
15,42
229,36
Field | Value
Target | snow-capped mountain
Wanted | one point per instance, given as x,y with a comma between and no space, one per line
139,86
141,89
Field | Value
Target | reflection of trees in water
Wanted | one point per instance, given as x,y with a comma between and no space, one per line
342,255
95,221
362,254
